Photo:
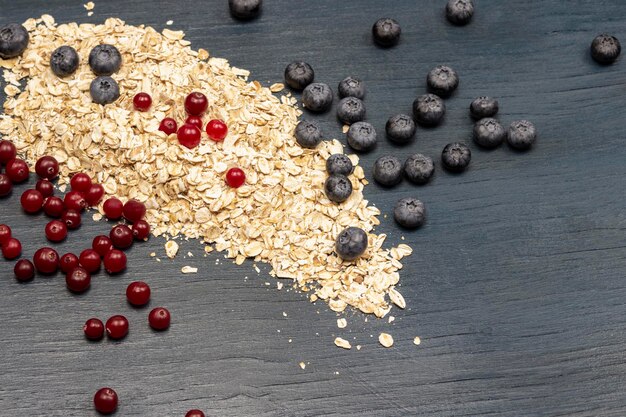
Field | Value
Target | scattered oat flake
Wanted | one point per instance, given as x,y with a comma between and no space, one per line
89,6
152,254
89,14
190,254
275,88
345,128
417,340
342,343
97,217
284,314
342,323
171,249
189,270
279,285
302,365
391,319
385,339
358,347
169,22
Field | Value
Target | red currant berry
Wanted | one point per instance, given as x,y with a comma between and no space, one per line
45,187
78,280
47,167
195,121
24,270
80,182
17,170
189,136
7,151
94,329
113,208
5,185
56,231
94,195
117,327
121,236
53,207
142,101
68,262
5,233
168,126
134,210
12,248
141,230
159,318
114,261
102,244
32,201
90,260
138,293
105,400
46,260
235,177
74,200
217,130
196,103
72,219
194,413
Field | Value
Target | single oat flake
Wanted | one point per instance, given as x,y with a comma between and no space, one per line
342,343
385,339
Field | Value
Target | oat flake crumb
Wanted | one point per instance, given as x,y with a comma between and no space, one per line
342,323
279,285
386,340
169,22
302,365
89,6
391,319
189,270
171,249
417,340
342,343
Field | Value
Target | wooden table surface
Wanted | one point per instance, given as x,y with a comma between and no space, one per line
517,285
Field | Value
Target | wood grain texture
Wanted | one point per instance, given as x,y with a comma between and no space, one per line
516,285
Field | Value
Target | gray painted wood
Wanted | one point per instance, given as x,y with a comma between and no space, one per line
516,285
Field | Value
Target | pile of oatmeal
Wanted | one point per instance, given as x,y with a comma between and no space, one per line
280,216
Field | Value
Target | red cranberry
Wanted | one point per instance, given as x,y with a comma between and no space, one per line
117,327
68,262
141,230
114,261
194,413
94,329
12,248
32,201
113,208
74,200
53,207
168,125
134,210
94,195
47,167
24,270
105,400
90,260
196,103
78,280
56,231
195,120
45,187
159,318
121,236
138,293
46,260
102,244
72,219
17,170
235,177
7,151
142,101
189,136
5,185
5,233
217,130
80,182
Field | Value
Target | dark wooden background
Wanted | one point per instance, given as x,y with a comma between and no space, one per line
517,284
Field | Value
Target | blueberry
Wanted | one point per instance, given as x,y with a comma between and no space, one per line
459,12
13,40
456,156
351,87
362,136
308,134
419,168
488,133
338,188
522,134
483,107
410,213
104,90
387,171
245,9
64,61
298,75
339,163
105,59
350,110
442,80
317,97
400,129
351,243
386,32
605,49
429,110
